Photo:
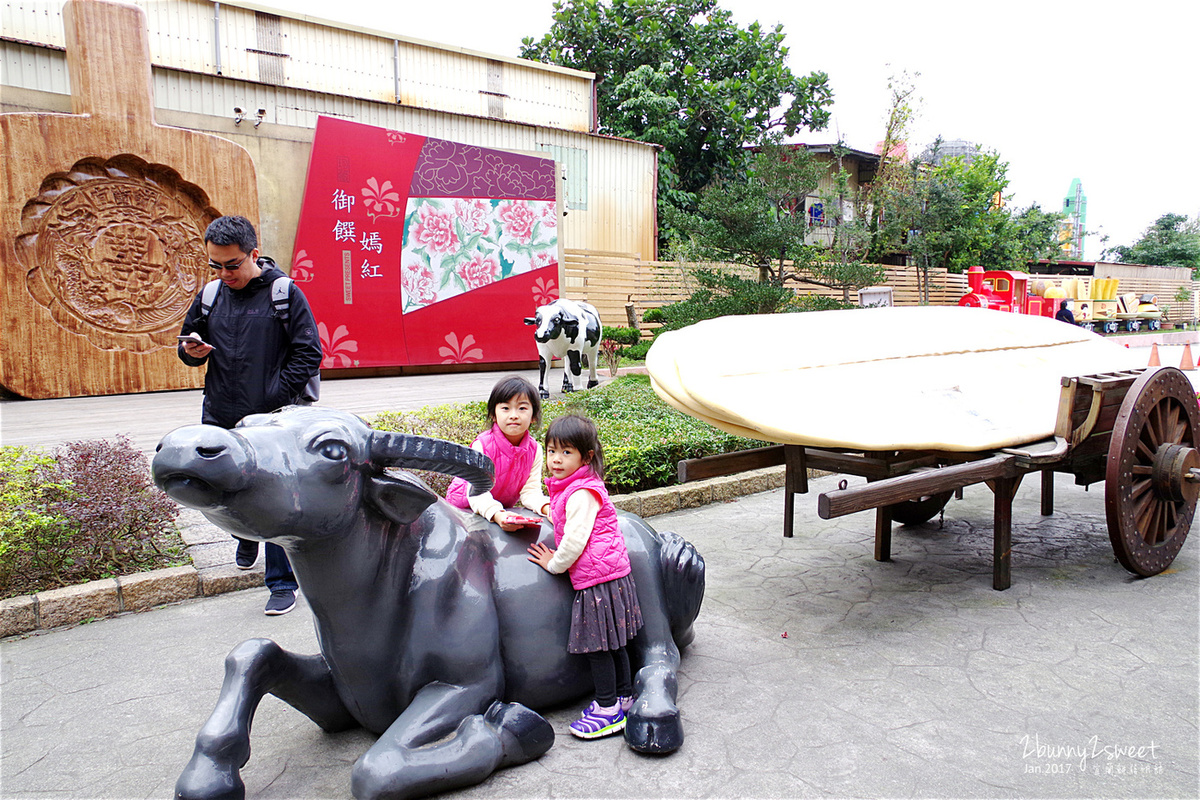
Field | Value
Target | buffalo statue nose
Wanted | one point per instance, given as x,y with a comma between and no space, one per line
199,464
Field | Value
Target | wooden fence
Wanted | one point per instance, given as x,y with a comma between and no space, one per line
610,281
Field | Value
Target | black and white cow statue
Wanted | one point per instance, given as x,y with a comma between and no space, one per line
570,330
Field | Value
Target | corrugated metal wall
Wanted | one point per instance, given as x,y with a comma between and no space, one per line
210,58
255,45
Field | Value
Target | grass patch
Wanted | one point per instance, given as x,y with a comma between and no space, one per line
643,437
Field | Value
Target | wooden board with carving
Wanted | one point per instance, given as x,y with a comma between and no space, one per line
102,223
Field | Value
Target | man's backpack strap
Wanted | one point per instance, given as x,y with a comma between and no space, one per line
280,293
280,290
208,296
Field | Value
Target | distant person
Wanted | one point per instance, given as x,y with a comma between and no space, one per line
262,353
1064,313
512,408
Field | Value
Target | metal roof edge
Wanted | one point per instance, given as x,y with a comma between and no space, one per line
524,62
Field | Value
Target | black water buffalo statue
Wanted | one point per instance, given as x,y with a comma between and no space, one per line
436,632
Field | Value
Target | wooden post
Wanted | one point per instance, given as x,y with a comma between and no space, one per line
883,533
1005,489
1047,492
102,224
795,481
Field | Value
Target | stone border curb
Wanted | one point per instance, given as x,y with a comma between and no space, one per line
72,605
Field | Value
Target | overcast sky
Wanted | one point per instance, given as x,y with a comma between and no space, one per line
1101,91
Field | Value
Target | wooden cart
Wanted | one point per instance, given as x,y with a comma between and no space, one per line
1135,430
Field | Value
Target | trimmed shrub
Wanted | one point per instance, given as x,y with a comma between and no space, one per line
624,336
637,352
643,437
84,511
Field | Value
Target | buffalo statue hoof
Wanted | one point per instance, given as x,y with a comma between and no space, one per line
524,734
203,779
651,729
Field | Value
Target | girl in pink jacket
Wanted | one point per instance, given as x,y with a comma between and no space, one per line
590,547
513,407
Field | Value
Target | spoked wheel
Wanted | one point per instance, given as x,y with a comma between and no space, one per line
923,509
1150,488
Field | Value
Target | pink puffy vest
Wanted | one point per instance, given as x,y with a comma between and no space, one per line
604,558
513,464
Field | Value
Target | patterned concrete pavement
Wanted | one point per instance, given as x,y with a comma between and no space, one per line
905,679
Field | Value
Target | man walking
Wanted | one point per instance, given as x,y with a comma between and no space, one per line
261,350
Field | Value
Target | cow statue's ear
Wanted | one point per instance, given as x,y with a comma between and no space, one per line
400,498
571,328
531,320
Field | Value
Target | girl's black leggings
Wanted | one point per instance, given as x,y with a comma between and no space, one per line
610,673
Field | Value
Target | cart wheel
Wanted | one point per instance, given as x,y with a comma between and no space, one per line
1150,492
923,509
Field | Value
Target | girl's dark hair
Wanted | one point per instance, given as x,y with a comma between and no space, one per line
508,388
580,433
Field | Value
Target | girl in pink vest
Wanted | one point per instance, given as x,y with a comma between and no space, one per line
512,407
591,548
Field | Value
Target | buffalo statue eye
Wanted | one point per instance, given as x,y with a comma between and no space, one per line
334,451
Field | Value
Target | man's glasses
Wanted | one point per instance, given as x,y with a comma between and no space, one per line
230,267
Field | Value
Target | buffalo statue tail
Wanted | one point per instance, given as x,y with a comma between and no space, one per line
682,569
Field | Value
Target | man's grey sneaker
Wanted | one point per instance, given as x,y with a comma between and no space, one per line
282,601
596,722
247,553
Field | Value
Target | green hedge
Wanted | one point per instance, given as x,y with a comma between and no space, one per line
643,437
82,511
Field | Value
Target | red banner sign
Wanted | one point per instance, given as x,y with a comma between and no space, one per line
413,250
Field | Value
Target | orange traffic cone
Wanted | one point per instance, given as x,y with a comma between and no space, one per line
1187,364
1154,362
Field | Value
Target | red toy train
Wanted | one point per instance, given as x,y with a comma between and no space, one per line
1095,303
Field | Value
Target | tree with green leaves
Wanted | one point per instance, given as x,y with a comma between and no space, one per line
681,74
758,221
956,216
1172,241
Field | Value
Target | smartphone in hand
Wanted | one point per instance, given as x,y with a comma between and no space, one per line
193,337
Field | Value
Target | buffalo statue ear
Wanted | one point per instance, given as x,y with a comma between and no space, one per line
400,498
531,320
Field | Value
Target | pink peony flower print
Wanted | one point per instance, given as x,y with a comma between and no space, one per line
474,215
381,199
543,259
544,292
416,280
549,218
480,271
336,347
517,220
456,354
436,230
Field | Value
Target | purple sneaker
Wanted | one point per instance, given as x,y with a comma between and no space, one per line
626,703
596,723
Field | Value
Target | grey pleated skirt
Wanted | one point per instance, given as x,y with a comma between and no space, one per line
605,616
